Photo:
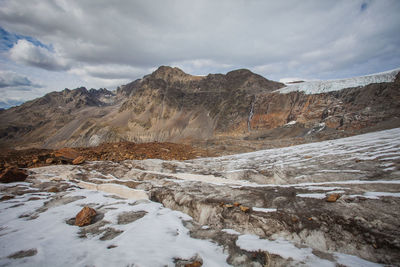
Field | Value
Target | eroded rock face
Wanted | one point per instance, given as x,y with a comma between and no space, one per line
13,174
85,216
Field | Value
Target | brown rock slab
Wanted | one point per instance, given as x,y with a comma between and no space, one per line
332,197
49,161
194,264
6,197
53,189
244,209
13,174
67,153
78,160
85,216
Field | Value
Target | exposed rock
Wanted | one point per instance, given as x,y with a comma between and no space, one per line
53,189
110,233
194,264
85,216
131,216
245,209
13,174
332,197
195,261
6,197
23,254
68,154
49,161
79,160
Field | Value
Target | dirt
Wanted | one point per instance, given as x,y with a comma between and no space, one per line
117,152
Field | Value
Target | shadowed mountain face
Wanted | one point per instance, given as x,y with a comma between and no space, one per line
170,105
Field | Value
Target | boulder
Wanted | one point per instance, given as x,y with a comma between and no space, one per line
13,174
49,161
245,209
194,264
85,216
78,160
6,197
332,197
66,153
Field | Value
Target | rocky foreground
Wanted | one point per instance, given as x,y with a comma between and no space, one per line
333,203
32,158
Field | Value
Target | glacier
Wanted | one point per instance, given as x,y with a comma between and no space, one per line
318,87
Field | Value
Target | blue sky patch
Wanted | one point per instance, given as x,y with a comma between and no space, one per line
8,39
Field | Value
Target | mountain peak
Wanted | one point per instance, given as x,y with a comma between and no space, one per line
171,74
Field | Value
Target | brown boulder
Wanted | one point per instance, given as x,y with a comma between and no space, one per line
13,174
78,160
194,264
6,197
245,209
66,153
49,161
85,216
53,189
332,197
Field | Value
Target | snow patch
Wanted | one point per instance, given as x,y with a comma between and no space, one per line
312,195
230,231
264,209
302,256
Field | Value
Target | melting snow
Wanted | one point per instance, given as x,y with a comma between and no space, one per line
287,250
230,231
154,240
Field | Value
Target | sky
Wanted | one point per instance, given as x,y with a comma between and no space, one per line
49,45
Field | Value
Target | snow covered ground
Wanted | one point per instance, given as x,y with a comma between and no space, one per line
144,209
156,239
317,87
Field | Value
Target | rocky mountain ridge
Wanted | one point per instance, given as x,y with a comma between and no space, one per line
170,105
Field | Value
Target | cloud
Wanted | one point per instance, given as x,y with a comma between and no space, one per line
15,81
110,71
115,41
16,89
27,53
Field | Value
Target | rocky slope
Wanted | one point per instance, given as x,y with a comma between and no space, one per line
170,105
332,203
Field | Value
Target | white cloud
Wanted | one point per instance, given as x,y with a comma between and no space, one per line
27,53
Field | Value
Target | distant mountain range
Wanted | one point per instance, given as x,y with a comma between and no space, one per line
170,105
